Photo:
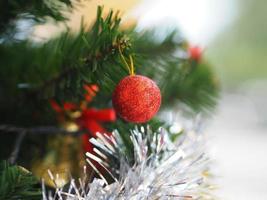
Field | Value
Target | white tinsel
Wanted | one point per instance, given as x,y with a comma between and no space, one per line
162,169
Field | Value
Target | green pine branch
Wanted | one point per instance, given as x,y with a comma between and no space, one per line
18,183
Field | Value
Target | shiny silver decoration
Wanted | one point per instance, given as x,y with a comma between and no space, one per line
162,169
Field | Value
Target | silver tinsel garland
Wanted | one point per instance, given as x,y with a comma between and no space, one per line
162,169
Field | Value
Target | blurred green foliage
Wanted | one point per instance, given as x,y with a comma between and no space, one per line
18,183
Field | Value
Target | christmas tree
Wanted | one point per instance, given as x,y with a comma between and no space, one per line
84,115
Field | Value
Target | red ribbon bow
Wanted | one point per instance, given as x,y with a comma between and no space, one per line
90,118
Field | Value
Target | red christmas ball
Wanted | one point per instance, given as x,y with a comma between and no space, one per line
195,53
136,99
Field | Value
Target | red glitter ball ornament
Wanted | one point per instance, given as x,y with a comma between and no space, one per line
136,98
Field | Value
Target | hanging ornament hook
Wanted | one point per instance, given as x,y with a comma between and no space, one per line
130,67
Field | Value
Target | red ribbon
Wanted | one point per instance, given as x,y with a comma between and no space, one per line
90,121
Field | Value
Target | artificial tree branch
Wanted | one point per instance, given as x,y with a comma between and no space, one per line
120,44
14,155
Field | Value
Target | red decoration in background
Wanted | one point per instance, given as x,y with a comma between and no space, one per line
195,53
69,106
136,98
89,119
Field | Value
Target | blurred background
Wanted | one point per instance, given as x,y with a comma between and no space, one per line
233,34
